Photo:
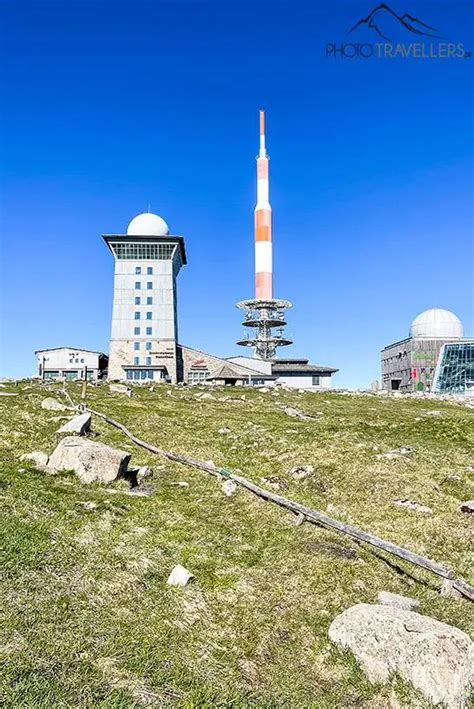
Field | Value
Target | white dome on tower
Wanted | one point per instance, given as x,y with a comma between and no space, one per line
148,224
437,323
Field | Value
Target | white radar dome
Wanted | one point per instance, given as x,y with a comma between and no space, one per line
437,323
148,224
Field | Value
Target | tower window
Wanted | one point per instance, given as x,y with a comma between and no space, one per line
149,331
137,315
149,270
136,345
136,331
136,360
148,360
149,300
138,285
138,270
149,315
137,300
148,345
149,285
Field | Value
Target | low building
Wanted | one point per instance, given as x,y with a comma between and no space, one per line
409,364
71,363
291,372
197,367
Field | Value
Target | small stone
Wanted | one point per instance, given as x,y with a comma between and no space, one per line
296,413
51,404
144,472
181,483
79,424
120,389
37,457
179,576
8,393
88,505
395,599
299,472
404,502
224,431
300,518
21,470
396,453
467,507
433,413
229,487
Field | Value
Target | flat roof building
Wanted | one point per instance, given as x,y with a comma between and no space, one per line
71,363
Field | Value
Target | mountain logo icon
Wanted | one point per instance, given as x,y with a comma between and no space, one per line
383,20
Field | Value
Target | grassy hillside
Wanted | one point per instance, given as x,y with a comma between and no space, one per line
88,618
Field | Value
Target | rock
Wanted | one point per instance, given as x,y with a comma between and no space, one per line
300,518
415,506
447,589
179,576
88,505
436,658
264,390
51,404
37,457
296,413
224,430
299,472
181,483
275,482
92,462
120,389
205,395
79,424
144,472
433,413
394,599
467,507
229,487
396,453
8,393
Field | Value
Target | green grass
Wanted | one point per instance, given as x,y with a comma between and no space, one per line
88,620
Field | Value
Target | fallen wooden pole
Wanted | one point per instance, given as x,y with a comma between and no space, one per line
311,515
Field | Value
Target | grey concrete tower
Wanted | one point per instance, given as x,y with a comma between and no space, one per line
144,321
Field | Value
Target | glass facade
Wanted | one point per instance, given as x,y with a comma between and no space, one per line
455,370
140,374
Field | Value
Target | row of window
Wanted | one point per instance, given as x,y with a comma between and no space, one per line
141,374
137,331
136,361
138,285
138,270
136,345
138,300
138,316
146,252
71,361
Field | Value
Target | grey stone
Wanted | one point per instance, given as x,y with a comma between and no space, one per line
37,457
92,462
299,472
179,576
467,506
415,506
438,659
144,472
395,599
120,389
79,424
51,404
229,487
396,453
295,413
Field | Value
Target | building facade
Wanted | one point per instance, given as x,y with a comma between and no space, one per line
455,369
144,321
410,364
71,363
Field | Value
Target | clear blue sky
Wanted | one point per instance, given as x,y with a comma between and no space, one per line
110,105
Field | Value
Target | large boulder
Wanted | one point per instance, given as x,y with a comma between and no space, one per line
436,658
79,424
92,462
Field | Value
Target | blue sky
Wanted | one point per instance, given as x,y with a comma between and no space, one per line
110,105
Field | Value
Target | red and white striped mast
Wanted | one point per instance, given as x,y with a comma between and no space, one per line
264,313
263,224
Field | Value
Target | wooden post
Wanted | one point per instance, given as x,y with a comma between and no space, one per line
84,384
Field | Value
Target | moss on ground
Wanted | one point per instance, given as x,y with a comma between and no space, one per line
88,618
